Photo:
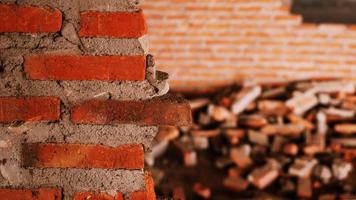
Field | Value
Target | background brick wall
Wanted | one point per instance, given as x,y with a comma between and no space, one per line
209,43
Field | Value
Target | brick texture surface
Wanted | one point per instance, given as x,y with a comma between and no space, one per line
138,195
112,24
15,18
70,67
38,194
29,109
96,196
150,186
212,43
83,156
165,110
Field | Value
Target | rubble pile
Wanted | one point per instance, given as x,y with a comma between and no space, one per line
298,137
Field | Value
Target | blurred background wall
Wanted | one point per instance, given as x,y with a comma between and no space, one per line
210,43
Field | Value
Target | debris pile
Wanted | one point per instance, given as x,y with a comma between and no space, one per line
298,137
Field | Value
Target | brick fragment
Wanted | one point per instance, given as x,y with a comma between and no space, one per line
202,191
29,109
236,184
218,113
83,156
234,135
112,24
14,18
262,177
244,98
284,129
253,121
165,110
205,133
272,107
302,167
200,143
240,157
73,67
198,103
299,120
290,149
185,149
315,143
223,162
304,189
28,194
303,102
258,138
178,193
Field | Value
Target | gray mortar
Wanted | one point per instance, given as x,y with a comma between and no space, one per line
13,82
103,46
65,132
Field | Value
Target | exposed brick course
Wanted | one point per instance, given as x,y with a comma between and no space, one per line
27,194
71,67
112,24
158,111
29,109
83,156
29,19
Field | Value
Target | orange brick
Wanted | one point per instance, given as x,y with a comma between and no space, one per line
28,194
148,193
96,196
150,186
70,67
29,19
29,109
112,24
138,195
165,110
83,156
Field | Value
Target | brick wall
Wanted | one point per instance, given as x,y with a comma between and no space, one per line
79,101
211,43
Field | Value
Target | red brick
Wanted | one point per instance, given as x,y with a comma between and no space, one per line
150,186
112,24
83,156
27,194
165,110
138,195
68,67
15,18
148,193
29,109
96,196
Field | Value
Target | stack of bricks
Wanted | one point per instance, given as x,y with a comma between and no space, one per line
79,101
